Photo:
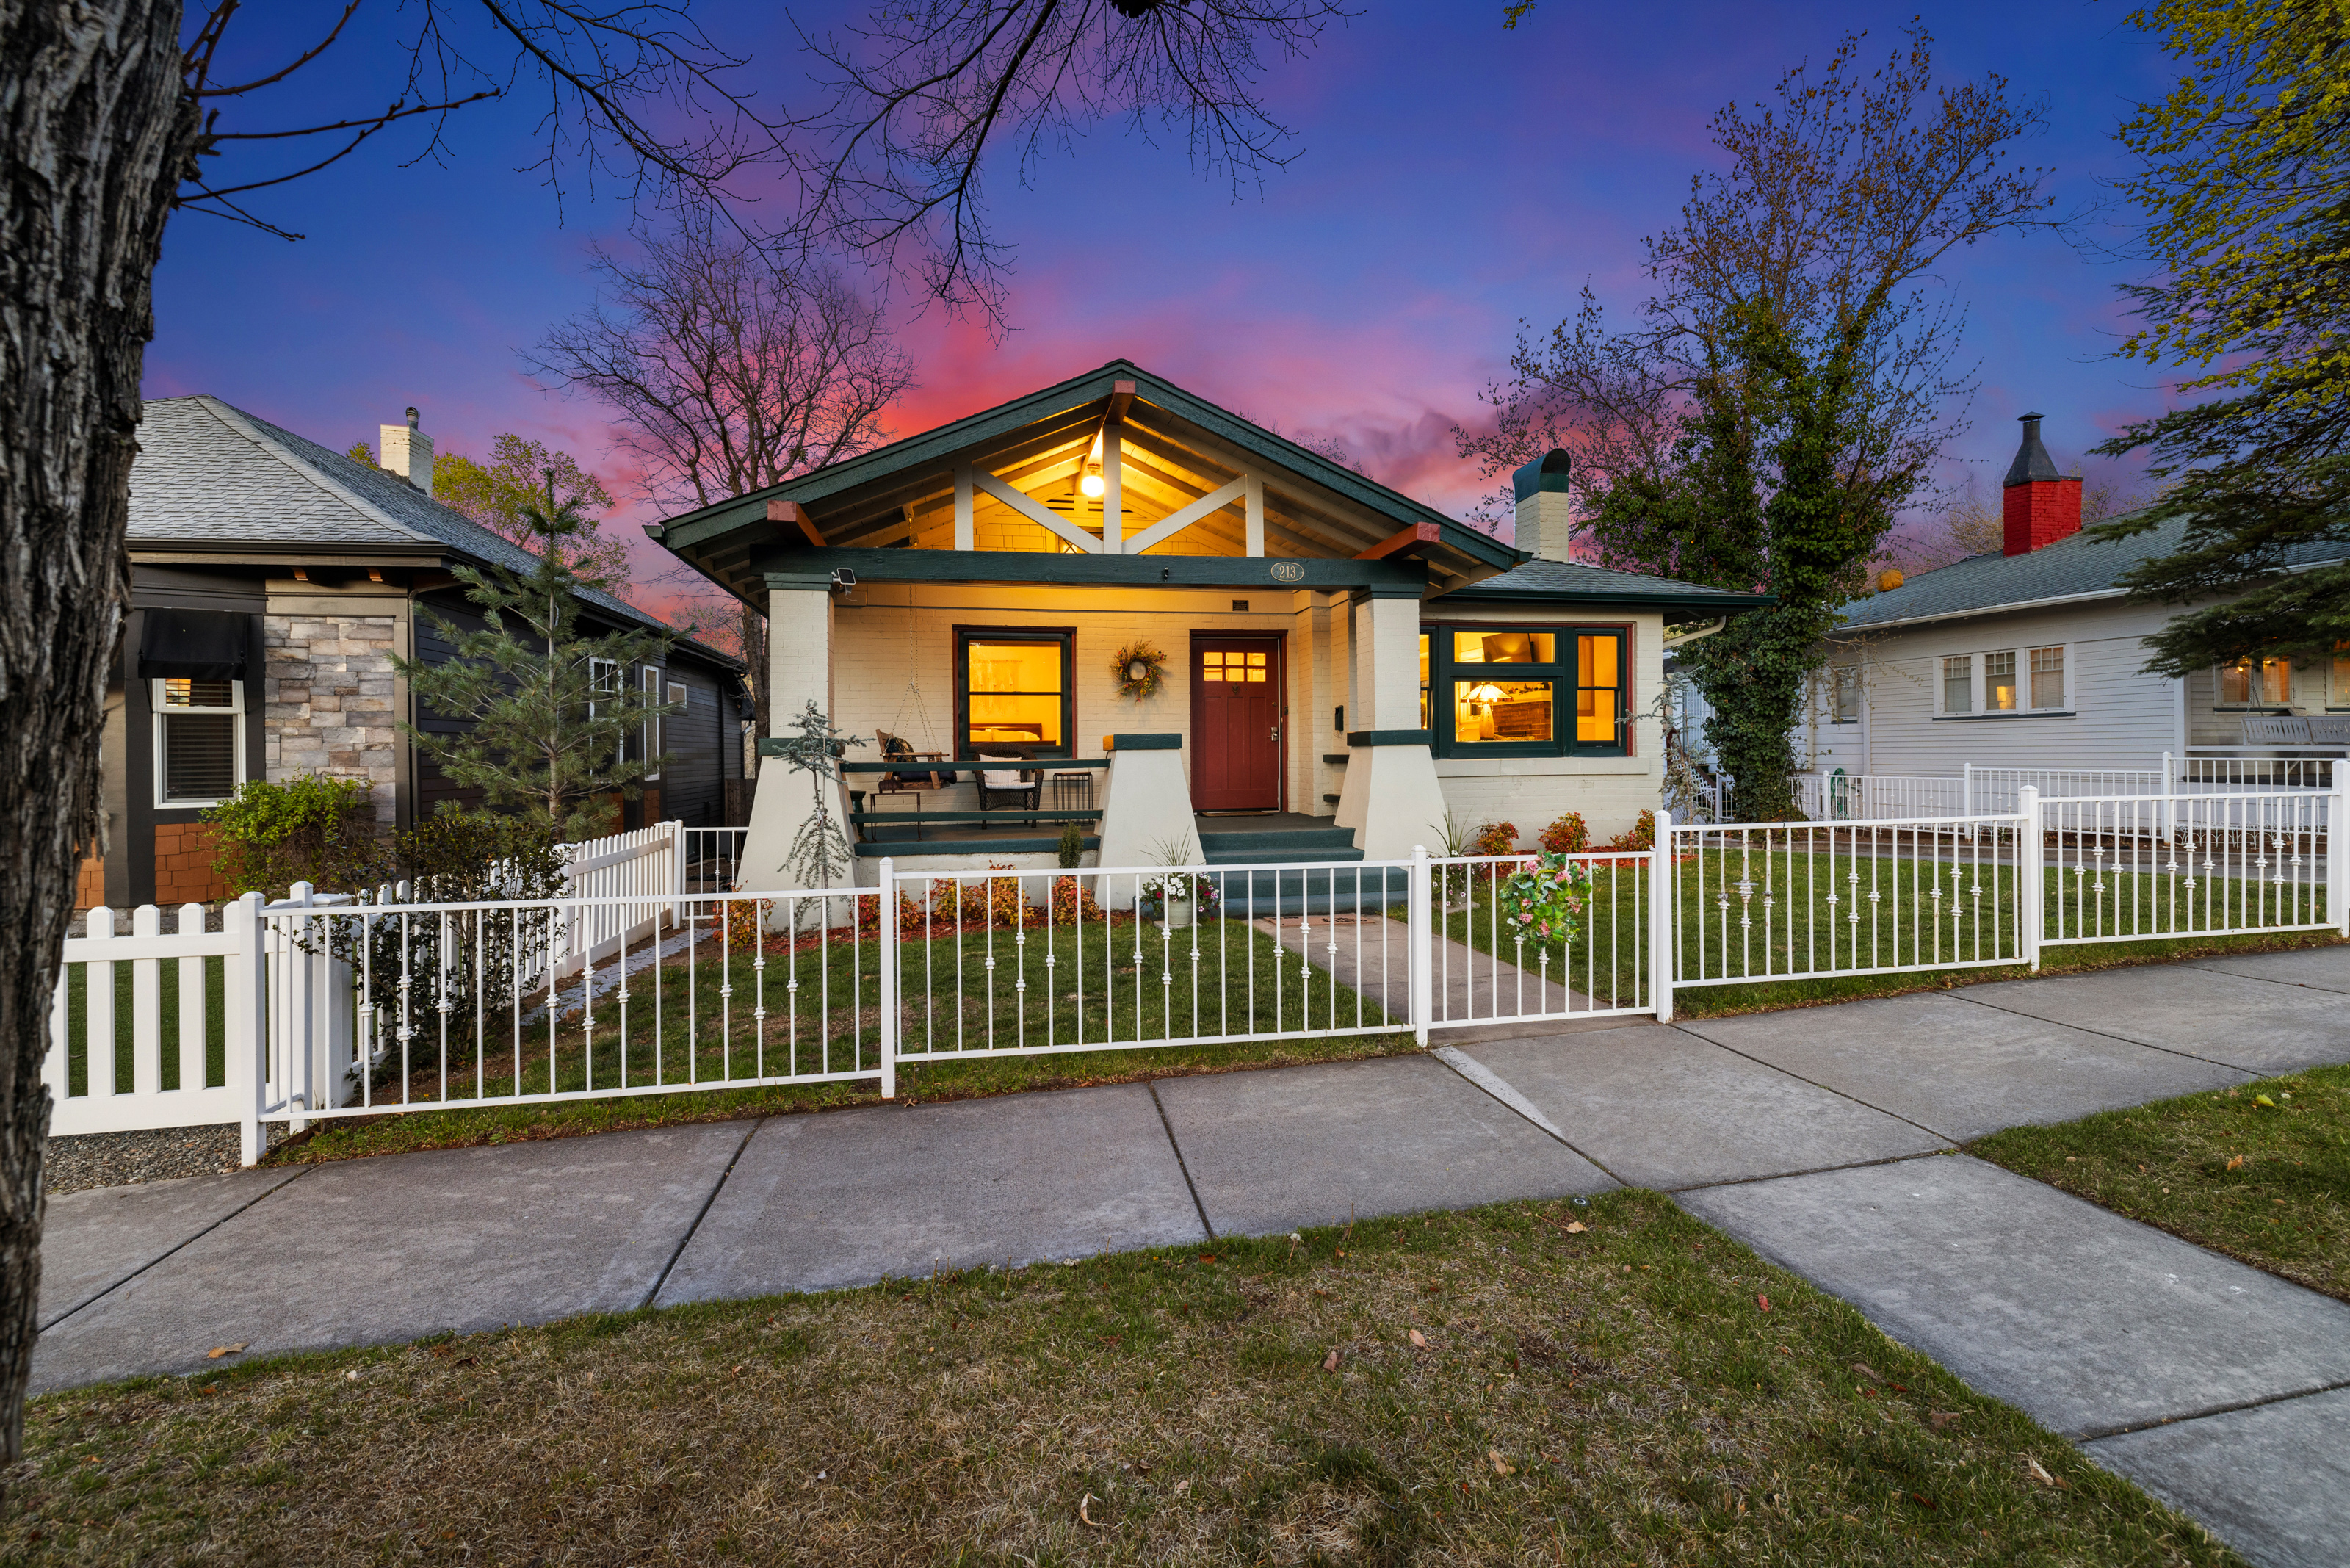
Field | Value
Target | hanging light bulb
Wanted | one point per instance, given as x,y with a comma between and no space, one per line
1092,482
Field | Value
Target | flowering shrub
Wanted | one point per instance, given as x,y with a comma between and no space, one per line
1545,899
1567,835
1073,902
1180,885
1495,838
1642,836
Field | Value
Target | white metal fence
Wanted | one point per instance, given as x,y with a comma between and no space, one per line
1839,796
324,1006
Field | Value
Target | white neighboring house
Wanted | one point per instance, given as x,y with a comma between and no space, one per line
2033,657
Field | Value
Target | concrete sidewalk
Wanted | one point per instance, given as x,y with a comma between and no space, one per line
1821,1136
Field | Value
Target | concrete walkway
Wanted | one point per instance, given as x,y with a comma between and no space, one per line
1824,1137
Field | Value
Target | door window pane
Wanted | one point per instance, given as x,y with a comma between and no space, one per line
1958,684
1999,682
2047,678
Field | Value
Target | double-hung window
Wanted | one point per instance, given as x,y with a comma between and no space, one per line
2337,690
2256,683
1527,690
199,740
1013,691
1959,683
2047,677
1843,694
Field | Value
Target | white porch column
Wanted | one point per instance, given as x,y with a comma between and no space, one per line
1391,798
1146,809
799,670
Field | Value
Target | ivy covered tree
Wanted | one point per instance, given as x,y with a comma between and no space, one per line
549,712
2244,179
1784,396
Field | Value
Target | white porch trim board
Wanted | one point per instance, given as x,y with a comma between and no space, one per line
1391,799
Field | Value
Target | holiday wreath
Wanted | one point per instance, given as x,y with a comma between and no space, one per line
1139,669
1545,899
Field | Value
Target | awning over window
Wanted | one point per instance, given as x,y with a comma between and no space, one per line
194,645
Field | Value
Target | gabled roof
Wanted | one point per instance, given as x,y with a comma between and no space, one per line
1599,586
2075,569
211,480
1184,446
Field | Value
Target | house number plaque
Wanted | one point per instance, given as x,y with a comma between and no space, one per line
1288,572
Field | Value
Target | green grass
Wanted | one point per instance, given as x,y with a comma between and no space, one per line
700,1021
2261,1172
1609,959
77,1025
1613,1397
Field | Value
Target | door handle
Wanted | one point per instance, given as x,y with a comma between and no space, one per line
1277,732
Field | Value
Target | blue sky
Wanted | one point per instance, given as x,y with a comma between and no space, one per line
1452,179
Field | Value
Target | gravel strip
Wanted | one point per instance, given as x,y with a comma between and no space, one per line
117,1159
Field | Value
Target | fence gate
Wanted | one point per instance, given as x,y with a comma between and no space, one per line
1583,951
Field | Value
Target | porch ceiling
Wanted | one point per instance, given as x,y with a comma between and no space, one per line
1175,450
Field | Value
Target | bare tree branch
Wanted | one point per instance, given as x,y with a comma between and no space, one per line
920,91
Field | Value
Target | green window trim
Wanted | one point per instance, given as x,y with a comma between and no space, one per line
1065,638
1440,671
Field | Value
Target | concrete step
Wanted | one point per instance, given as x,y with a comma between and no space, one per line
1286,846
1312,892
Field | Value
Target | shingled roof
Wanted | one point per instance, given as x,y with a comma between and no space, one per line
1542,579
2075,569
211,478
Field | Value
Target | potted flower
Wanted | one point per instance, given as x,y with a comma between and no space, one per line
1174,897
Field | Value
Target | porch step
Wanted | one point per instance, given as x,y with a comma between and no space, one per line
1270,893
1280,847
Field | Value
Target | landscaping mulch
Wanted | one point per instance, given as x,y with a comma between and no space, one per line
1609,1382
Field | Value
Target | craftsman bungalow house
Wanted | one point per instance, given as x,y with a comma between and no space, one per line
272,579
1113,602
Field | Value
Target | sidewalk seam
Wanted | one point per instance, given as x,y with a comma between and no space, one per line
2125,1040
2100,1434
1539,1123
1822,1170
1955,1143
701,1213
175,1248
1182,1163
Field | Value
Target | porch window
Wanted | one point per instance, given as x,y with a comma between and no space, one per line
2256,683
1011,691
199,740
1526,691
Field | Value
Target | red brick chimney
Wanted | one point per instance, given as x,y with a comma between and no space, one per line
2041,504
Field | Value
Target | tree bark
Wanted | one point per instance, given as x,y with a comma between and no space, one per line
93,136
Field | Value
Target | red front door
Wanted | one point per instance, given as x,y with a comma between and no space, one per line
1236,723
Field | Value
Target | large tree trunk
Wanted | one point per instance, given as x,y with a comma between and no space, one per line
93,134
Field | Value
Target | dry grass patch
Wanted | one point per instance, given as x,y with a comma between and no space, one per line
1488,1388
2261,1172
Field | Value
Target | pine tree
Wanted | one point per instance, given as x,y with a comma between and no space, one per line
549,710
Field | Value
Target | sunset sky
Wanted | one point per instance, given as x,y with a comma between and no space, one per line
1452,179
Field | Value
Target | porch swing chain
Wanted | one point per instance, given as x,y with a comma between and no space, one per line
913,692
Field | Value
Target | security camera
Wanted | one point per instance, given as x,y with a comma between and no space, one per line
842,578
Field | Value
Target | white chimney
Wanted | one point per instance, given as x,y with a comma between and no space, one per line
408,453
1545,507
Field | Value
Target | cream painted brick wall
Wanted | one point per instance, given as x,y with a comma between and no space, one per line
329,701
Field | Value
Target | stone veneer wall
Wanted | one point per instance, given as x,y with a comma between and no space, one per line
331,702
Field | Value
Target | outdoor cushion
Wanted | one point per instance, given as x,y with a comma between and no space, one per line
1004,778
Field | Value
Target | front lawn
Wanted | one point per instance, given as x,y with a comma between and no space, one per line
2261,1172
1487,1388
718,1013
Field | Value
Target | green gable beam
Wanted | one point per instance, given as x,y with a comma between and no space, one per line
798,568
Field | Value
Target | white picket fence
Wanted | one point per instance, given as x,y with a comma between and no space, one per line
1839,796
320,1007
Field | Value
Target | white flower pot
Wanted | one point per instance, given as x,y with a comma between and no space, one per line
1175,914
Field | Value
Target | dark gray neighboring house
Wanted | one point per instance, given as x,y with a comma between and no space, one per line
271,581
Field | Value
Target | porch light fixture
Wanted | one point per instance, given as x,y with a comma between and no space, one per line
1092,482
